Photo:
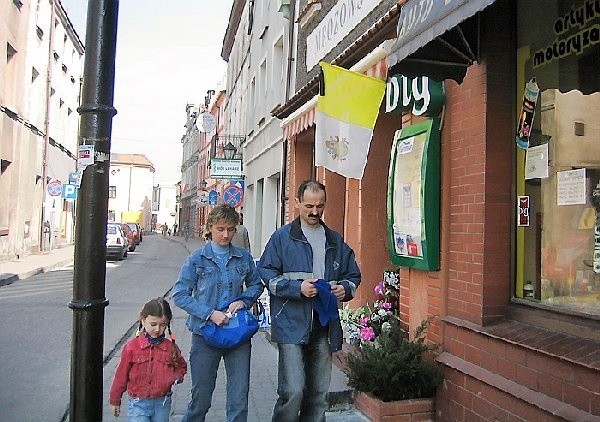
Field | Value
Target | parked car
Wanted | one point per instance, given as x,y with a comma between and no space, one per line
116,242
129,234
137,232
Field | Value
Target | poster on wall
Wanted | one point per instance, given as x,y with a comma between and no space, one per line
525,126
413,196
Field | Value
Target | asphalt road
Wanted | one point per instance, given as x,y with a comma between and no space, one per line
36,326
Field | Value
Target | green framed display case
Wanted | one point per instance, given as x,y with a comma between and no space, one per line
413,206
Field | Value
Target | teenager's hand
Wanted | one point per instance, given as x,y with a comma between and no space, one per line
308,289
219,318
235,306
115,410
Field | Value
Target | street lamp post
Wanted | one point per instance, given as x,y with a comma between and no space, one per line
89,273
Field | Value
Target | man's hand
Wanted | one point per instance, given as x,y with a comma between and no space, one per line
339,291
308,289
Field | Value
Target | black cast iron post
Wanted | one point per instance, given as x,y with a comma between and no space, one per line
95,128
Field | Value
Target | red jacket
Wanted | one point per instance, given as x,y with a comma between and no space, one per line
146,371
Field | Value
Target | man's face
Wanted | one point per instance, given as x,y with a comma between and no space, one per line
311,207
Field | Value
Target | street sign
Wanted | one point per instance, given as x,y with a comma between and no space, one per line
55,188
233,195
206,122
69,191
213,197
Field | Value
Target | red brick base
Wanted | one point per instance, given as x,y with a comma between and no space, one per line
395,411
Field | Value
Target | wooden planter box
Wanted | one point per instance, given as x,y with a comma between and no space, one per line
395,411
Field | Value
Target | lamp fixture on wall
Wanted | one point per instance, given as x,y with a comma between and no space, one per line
229,151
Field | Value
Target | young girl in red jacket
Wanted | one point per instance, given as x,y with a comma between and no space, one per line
150,365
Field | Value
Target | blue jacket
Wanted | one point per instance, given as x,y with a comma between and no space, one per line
198,288
285,263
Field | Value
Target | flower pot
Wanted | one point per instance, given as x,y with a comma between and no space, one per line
395,411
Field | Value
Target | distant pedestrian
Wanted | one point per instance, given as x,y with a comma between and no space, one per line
175,229
165,229
241,237
150,365
210,278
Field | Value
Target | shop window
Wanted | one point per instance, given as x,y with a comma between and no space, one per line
558,171
112,191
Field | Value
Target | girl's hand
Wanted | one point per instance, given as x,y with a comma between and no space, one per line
235,306
116,410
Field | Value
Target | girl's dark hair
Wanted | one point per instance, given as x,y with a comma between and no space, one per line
220,212
311,185
160,308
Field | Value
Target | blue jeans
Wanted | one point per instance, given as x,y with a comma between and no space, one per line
204,364
149,410
303,380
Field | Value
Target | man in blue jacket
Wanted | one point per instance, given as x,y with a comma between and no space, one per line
299,259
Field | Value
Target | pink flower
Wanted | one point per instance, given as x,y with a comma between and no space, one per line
367,333
364,321
379,290
386,305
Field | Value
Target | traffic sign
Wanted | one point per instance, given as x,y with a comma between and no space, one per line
233,195
54,188
213,197
69,191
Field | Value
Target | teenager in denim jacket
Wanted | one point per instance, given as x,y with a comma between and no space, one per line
209,279
299,257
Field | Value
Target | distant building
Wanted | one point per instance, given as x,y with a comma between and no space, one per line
40,83
130,189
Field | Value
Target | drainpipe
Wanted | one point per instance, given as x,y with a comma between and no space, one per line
88,303
44,214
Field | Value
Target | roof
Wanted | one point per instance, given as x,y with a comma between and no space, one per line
234,22
137,160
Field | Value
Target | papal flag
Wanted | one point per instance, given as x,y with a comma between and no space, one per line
346,115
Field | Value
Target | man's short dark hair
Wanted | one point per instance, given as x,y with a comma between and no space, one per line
311,185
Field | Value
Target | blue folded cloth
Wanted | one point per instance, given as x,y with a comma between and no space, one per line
325,302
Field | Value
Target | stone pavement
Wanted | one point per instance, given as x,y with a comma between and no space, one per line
263,376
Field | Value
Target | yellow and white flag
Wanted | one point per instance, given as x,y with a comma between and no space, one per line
346,115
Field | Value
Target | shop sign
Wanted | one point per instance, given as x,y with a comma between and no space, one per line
343,18
523,211
425,96
576,18
225,169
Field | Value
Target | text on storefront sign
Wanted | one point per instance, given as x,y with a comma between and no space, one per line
424,96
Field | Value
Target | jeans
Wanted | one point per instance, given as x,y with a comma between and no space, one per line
303,380
149,410
204,364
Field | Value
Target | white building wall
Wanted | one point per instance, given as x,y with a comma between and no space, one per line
27,26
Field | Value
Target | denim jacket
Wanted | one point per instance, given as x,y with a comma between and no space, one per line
199,286
285,263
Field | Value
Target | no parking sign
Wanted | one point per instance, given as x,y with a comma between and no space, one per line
233,195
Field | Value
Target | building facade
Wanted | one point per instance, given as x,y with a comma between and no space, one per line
39,95
130,189
514,287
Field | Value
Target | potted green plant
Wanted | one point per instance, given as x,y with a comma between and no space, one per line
391,372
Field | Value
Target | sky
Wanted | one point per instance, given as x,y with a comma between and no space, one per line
168,56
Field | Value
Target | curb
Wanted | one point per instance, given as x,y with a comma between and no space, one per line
9,278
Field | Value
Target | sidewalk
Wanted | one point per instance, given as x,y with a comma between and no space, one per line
35,263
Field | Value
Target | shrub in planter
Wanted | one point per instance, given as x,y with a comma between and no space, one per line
394,367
